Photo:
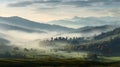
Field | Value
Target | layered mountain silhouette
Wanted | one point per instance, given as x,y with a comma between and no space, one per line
96,43
77,22
21,24
90,30
18,23
18,28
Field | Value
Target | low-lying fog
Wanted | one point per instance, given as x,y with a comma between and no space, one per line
33,41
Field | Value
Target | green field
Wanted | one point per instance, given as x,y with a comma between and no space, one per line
112,59
54,62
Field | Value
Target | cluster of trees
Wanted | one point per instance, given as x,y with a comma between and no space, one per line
106,43
66,38
72,40
108,34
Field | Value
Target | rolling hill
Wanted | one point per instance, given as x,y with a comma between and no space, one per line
106,43
77,22
89,31
95,30
4,26
21,22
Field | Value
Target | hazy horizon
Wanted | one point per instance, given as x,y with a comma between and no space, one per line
35,33
49,10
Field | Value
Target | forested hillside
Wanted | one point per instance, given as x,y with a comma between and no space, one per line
106,43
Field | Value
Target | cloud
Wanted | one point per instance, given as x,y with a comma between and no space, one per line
57,5
20,4
60,9
32,2
78,3
115,12
94,3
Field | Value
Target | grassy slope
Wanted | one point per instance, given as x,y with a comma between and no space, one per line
54,62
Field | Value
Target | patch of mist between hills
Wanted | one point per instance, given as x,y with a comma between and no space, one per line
71,35
94,33
39,46
25,36
26,40
91,34
74,26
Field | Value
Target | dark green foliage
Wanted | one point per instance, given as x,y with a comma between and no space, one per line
108,34
74,40
106,44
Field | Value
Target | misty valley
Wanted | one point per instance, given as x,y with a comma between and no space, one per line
52,44
59,33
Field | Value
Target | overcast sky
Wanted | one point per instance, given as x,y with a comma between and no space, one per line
47,10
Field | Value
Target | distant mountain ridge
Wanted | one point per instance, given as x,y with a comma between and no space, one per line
77,22
20,24
33,25
90,31
18,28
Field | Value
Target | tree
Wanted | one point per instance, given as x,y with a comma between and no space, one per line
25,49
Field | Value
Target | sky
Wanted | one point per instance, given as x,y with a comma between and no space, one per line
48,10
